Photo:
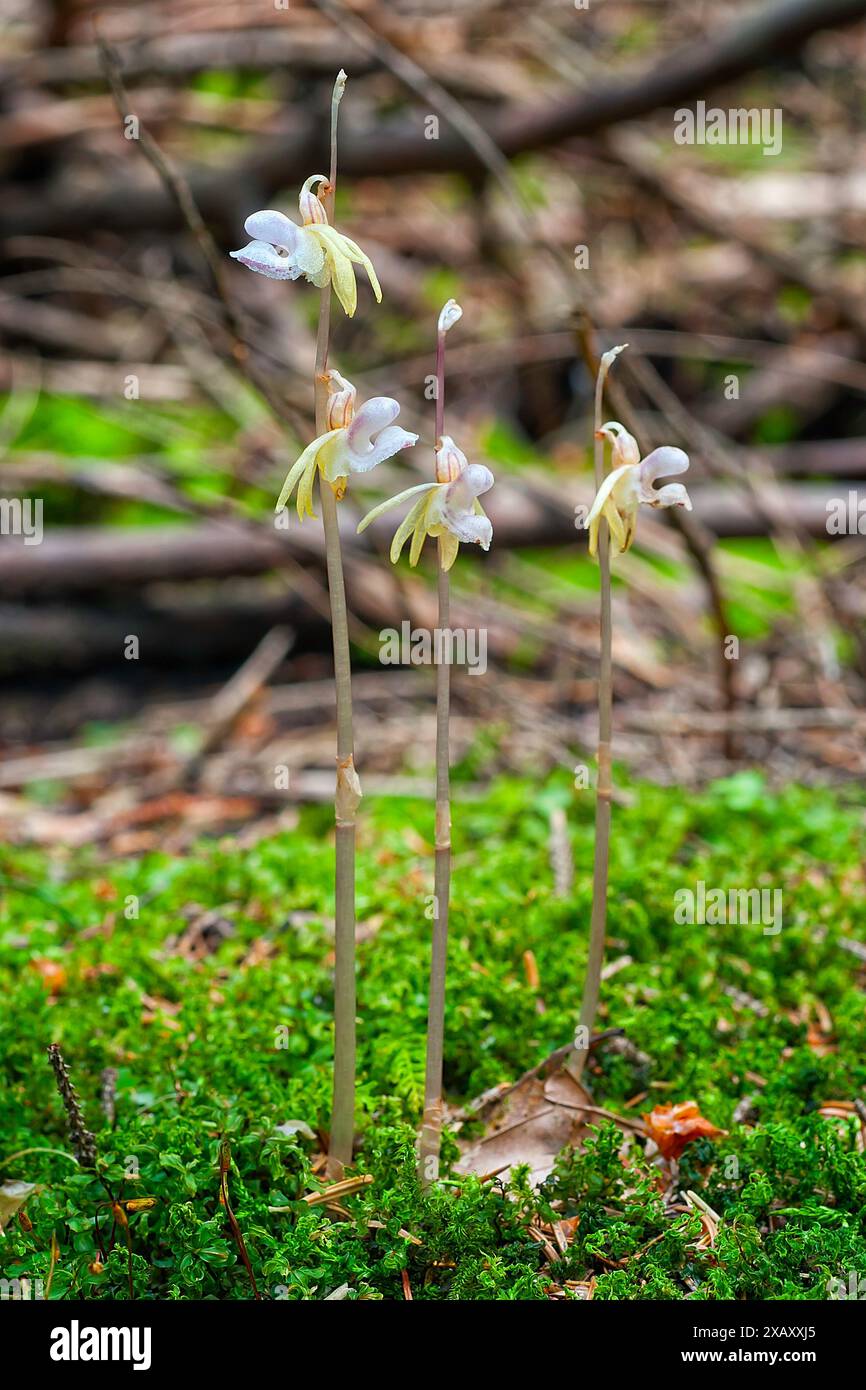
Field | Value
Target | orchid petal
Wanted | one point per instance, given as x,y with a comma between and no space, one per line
418,538
343,280
474,530
372,437
273,227
310,256
311,207
621,524
593,534
334,457
454,505
450,460
672,495
604,492
388,443
354,252
341,401
373,416
304,500
460,494
624,448
661,463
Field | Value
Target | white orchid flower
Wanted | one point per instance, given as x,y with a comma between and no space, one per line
630,482
282,250
353,443
448,508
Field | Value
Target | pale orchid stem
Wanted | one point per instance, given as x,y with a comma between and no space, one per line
431,1125
440,387
598,920
343,1109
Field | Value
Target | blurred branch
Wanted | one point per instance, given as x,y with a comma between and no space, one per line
177,186
694,70
84,557
641,158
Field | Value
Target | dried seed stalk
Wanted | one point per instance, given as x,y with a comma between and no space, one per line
82,1141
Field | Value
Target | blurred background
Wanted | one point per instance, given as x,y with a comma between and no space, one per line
164,648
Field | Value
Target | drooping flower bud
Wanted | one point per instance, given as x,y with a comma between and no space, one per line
451,314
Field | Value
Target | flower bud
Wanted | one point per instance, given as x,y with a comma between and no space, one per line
451,314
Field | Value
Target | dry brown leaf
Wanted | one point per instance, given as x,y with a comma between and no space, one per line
529,1124
13,1195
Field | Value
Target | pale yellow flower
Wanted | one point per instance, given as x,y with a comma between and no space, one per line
631,482
354,442
448,508
282,250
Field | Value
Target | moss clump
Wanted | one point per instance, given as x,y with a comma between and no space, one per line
237,1043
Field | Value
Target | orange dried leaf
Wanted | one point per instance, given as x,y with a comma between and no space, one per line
52,973
673,1127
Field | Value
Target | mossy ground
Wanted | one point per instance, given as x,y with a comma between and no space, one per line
223,1048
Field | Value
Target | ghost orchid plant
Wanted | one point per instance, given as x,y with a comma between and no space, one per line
613,519
448,510
348,441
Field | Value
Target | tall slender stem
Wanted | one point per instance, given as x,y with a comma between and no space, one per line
431,1124
598,921
347,792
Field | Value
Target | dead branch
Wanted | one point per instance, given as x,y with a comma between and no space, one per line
693,71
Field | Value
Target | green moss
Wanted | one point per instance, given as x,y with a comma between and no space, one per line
220,1048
